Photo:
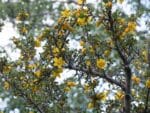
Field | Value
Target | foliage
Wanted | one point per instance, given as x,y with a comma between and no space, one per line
110,68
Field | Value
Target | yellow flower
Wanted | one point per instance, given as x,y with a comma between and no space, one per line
59,62
66,26
61,33
130,28
90,105
98,23
148,83
81,21
37,43
37,73
57,72
145,55
106,53
133,92
66,13
81,1
40,37
82,43
7,69
22,16
108,4
83,50
67,89
102,96
23,30
87,87
55,50
88,63
91,49
6,85
31,66
132,25
35,89
121,21
110,43
100,63
119,95
136,79
71,84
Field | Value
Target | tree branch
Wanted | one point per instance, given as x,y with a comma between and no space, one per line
125,63
93,72
25,96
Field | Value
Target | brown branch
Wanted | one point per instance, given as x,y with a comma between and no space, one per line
125,63
93,72
26,97
146,102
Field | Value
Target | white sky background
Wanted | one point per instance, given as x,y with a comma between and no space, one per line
8,32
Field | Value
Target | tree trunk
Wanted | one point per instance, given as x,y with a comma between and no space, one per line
127,98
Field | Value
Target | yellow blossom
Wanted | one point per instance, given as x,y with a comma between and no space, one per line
90,105
6,85
133,92
87,87
148,83
40,37
83,50
35,89
81,1
55,50
82,43
71,84
63,49
56,73
37,43
23,30
37,73
106,53
108,4
67,89
100,63
82,21
25,85
102,96
31,66
130,28
121,21
61,33
136,79
110,43
91,49
7,69
145,55
59,62
88,62
22,16
98,23
66,13
119,95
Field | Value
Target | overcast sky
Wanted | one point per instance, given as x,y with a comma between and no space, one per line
8,32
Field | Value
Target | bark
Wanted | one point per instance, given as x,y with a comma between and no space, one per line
126,64
127,98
